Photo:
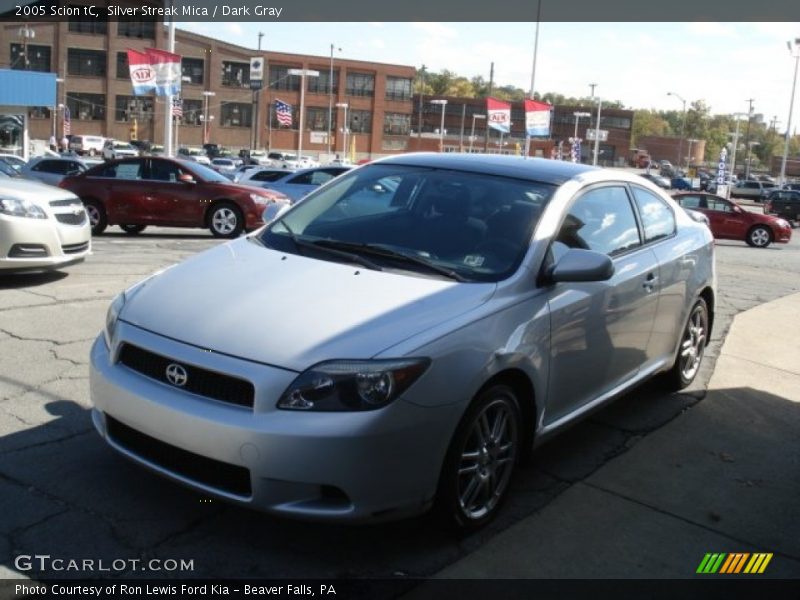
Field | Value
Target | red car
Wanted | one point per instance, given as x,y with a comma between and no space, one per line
729,221
136,192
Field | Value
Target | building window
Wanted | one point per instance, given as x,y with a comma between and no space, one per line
192,111
81,23
38,58
86,107
129,108
321,84
360,121
398,88
235,74
396,124
90,63
123,71
317,119
137,28
236,114
39,112
194,69
280,79
360,84
615,122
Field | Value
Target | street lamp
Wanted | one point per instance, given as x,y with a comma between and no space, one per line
578,115
796,54
472,135
330,100
683,125
303,73
206,121
597,131
441,103
344,105
736,116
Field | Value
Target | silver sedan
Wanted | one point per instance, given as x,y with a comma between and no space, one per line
431,319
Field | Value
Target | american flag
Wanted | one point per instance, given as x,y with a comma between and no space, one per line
177,107
283,112
67,122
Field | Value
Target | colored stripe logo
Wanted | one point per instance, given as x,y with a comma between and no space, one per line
734,563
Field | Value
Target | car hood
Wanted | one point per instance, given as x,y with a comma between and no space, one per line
34,191
291,311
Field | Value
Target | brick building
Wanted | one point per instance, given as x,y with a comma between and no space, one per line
89,58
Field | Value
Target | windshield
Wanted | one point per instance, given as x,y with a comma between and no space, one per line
7,170
476,227
203,171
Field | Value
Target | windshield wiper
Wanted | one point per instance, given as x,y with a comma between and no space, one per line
315,245
396,254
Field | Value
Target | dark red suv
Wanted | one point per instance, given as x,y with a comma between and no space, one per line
136,192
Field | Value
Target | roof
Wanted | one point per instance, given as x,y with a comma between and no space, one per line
537,169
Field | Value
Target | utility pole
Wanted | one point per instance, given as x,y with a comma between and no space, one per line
747,138
535,49
421,93
257,101
488,95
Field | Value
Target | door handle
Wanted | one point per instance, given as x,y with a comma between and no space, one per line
650,281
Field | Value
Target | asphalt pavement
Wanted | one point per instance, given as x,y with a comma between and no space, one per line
722,477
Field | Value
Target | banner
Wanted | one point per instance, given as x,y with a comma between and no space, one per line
498,115
537,118
155,71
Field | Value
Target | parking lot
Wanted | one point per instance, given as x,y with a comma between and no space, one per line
65,494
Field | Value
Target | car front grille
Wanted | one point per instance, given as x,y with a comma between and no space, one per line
75,248
66,202
223,476
72,218
197,381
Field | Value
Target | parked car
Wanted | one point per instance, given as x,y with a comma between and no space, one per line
241,170
416,340
136,192
786,186
193,154
752,189
16,162
783,203
283,160
42,227
729,221
259,157
52,170
259,176
211,150
87,144
294,185
225,166
658,180
115,149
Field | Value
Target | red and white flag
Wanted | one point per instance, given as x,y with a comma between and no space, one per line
498,115
155,71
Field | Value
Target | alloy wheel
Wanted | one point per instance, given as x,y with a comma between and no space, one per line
693,344
759,237
224,221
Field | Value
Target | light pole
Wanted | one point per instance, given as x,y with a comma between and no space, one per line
597,131
578,115
735,145
796,54
330,101
206,121
441,103
472,135
344,105
303,73
683,125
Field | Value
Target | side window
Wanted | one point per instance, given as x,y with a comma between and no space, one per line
321,177
719,205
267,176
129,170
657,217
305,179
602,219
164,171
690,201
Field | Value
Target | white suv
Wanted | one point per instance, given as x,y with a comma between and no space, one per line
114,149
87,144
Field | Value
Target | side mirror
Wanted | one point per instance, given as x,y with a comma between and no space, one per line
581,265
186,178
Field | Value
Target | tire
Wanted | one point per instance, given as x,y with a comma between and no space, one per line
759,236
480,460
97,216
132,229
690,351
225,220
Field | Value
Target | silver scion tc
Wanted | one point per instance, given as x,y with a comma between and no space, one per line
405,335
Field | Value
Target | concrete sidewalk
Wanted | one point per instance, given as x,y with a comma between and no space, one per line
722,477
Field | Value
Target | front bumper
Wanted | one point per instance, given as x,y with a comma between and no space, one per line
354,466
36,244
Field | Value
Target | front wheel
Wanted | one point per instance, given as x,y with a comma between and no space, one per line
132,229
226,221
480,461
759,236
690,352
97,216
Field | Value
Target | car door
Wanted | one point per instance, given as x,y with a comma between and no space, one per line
123,186
172,201
731,225
600,330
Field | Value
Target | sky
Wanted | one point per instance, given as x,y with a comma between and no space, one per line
724,64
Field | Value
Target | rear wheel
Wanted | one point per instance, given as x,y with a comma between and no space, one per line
225,220
97,216
480,461
132,229
693,345
759,236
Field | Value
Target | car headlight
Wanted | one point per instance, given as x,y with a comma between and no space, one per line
21,208
783,224
352,385
112,315
259,199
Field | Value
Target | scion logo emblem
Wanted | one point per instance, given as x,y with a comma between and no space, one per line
177,375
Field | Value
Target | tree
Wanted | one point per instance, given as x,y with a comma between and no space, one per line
647,122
